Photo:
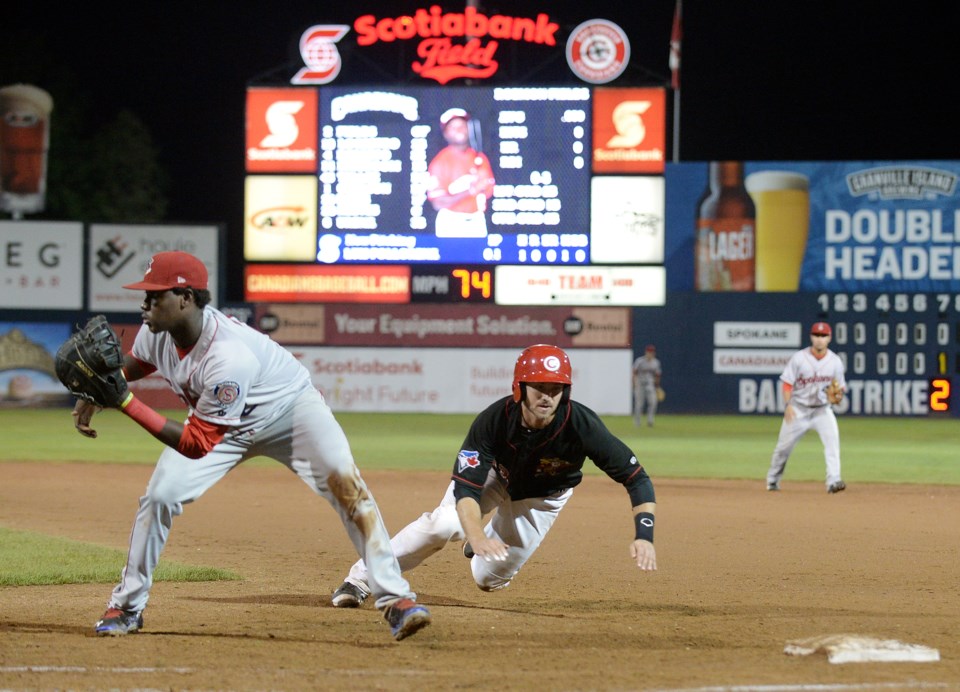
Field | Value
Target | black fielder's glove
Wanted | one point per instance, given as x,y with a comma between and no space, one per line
89,362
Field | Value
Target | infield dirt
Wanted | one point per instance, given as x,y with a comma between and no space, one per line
741,572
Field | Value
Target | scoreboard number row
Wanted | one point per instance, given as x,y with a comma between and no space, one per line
900,335
884,303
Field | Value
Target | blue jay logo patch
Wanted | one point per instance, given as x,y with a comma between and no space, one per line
467,460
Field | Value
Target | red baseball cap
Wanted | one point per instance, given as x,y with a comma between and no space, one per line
173,269
821,328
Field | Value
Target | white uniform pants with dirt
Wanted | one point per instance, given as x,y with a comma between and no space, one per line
520,524
644,399
819,418
308,440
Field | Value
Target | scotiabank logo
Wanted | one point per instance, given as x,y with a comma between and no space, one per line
281,130
629,130
318,49
443,60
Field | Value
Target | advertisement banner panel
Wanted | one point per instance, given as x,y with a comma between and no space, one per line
456,380
24,142
626,220
281,130
120,253
41,265
280,218
580,285
820,226
293,283
472,326
27,375
629,130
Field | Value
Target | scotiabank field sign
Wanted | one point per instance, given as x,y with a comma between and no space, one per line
463,45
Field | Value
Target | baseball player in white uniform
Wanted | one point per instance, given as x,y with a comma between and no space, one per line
646,379
809,380
247,397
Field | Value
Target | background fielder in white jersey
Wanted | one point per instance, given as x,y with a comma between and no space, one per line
806,381
247,397
646,381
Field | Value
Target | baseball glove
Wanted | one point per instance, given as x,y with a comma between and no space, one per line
661,394
834,392
89,362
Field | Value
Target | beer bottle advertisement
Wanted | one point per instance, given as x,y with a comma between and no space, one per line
725,231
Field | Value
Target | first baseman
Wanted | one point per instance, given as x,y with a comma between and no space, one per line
522,457
812,382
247,397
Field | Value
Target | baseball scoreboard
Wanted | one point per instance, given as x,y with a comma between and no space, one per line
337,205
901,351
375,148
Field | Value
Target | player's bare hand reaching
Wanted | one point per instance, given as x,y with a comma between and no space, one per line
645,554
490,549
82,415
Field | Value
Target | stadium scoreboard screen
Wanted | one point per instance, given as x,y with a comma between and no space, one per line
376,147
454,188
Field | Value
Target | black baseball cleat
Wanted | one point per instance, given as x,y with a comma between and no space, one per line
348,596
836,487
773,486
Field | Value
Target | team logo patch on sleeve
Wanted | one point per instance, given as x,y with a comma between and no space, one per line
227,392
467,460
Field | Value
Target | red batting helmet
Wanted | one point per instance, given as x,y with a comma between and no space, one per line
541,363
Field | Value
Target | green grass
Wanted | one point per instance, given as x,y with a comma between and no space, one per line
31,559
873,450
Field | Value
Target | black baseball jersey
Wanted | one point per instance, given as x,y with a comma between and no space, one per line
538,463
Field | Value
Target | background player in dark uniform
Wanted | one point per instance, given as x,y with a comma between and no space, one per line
523,456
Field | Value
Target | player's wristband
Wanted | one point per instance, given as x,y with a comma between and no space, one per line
643,522
146,417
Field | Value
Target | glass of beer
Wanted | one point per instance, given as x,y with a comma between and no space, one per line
782,200
24,140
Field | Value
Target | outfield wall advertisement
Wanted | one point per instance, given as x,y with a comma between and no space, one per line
450,380
40,265
872,247
830,226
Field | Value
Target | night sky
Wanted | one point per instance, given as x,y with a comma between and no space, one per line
811,80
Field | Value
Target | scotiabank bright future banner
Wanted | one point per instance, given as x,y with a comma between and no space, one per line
813,226
452,380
